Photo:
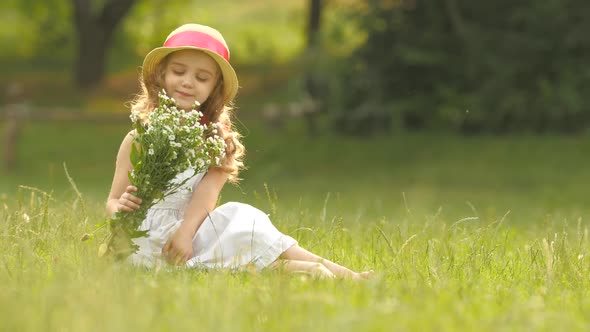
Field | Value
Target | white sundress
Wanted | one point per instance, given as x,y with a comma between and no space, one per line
234,235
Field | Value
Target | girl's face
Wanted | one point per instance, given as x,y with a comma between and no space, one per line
190,75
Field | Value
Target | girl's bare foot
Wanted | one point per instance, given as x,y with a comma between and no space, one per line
363,275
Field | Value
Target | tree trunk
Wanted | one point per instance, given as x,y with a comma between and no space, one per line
91,59
94,37
313,29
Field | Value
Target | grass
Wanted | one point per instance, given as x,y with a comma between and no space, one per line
482,233
432,275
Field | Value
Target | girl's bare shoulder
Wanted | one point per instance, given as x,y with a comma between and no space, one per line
125,147
129,137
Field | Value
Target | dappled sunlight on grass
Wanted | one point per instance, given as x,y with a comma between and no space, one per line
377,176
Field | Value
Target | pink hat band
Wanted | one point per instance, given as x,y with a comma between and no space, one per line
198,39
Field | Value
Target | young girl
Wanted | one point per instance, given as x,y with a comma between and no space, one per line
186,228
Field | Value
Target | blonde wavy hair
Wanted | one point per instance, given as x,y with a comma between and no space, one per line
214,108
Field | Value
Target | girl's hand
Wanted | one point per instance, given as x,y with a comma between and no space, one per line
128,202
179,247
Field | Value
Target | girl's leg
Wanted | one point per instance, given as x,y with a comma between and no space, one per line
314,269
297,253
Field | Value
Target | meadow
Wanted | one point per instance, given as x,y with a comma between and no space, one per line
464,233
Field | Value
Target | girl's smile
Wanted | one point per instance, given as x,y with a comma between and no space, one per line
184,94
183,97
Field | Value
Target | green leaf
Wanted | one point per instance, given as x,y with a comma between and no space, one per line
135,234
134,155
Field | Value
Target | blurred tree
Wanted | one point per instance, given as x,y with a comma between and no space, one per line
312,79
474,66
95,25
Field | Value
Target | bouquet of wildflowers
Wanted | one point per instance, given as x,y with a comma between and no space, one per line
168,143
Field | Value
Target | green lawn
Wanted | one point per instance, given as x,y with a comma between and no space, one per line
472,233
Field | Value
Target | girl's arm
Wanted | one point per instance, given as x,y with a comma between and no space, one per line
121,197
178,249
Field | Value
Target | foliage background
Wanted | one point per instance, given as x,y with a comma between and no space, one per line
469,67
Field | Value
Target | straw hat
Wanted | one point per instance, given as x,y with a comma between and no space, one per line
196,37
